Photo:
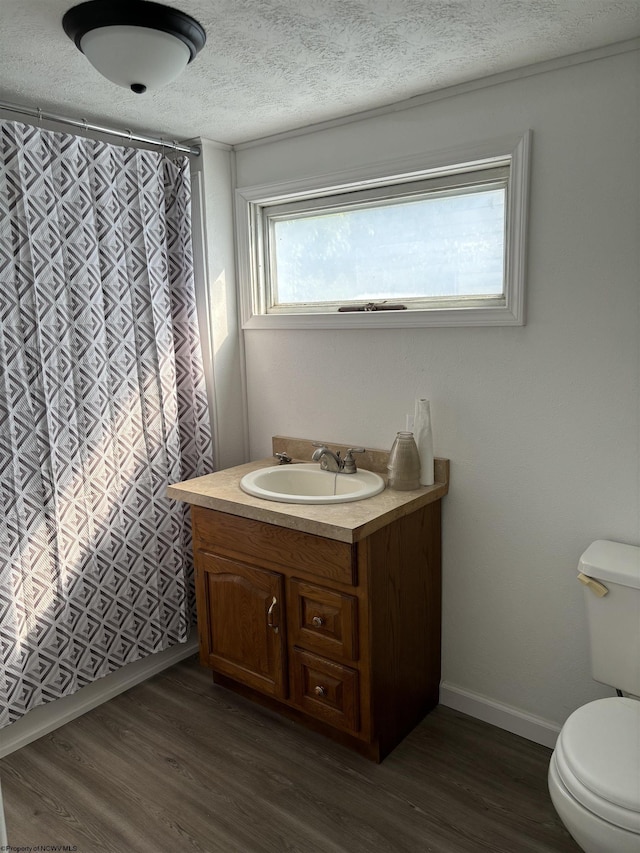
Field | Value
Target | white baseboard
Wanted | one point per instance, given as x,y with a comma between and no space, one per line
45,718
505,717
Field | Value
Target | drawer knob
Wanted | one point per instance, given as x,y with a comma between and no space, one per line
317,621
320,691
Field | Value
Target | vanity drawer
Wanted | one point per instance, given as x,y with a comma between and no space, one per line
322,620
273,546
326,690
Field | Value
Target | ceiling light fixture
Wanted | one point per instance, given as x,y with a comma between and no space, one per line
137,44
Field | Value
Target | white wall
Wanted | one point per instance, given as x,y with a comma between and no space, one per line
541,423
214,263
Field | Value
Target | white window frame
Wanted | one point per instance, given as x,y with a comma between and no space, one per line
251,204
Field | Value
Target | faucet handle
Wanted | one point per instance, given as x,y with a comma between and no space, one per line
284,458
349,466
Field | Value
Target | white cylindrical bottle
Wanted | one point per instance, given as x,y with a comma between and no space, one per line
424,440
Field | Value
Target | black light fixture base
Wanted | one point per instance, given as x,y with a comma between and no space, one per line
94,14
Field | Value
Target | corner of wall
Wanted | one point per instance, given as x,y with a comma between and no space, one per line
216,295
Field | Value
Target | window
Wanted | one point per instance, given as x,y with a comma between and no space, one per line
434,246
423,245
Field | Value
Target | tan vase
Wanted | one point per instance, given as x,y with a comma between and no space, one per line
404,463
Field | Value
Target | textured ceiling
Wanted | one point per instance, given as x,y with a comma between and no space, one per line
274,65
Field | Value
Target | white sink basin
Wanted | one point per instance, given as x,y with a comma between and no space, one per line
306,483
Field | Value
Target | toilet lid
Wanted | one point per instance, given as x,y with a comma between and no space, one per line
598,757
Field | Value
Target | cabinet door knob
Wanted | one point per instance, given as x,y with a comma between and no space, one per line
317,621
320,691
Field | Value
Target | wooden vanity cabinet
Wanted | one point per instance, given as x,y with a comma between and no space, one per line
343,637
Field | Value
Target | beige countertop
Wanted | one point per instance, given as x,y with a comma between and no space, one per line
346,522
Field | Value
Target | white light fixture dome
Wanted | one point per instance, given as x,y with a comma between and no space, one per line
134,43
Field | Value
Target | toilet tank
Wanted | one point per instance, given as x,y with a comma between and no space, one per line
614,618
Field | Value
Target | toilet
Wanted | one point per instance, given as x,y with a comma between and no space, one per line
594,774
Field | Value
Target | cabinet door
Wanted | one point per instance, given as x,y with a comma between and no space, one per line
239,621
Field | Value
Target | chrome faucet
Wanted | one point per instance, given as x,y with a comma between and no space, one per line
330,461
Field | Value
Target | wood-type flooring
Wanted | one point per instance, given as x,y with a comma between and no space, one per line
177,765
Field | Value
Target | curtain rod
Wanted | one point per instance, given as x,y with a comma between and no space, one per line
110,131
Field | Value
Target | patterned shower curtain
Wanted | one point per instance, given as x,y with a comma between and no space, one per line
102,405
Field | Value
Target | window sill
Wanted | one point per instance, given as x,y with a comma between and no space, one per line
435,317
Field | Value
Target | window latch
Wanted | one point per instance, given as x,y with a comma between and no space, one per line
372,306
